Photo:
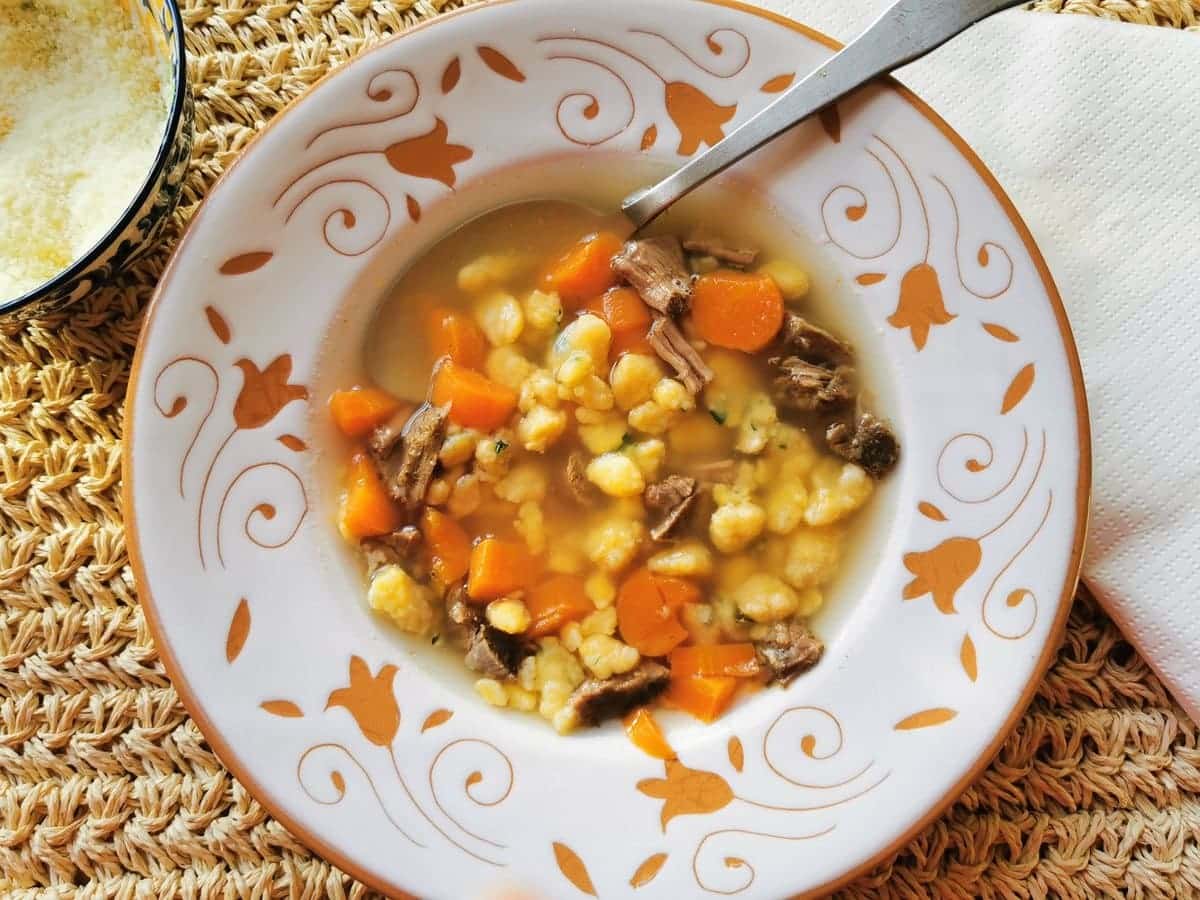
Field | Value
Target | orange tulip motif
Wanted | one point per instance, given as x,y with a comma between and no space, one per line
697,116
687,792
428,155
370,700
264,393
921,306
942,571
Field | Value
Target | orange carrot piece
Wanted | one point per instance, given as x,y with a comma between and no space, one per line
628,318
356,411
366,509
641,728
735,660
456,335
449,546
586,270
648,608
498,568
624,310
475,401
704,698
737,310
555,602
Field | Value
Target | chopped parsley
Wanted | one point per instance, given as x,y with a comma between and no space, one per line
433,640
501,446
718,417
626,440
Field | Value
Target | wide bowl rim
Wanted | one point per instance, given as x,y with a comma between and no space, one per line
226,753
179,89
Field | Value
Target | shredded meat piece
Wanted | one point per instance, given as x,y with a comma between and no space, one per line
672,347
869,442
802,338
654,268
596,700
718,249
788,650
581,489
384,438
395,549
674,497
723,471
406,459
490,651
807,387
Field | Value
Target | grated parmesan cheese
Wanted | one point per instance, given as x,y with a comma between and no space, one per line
83,106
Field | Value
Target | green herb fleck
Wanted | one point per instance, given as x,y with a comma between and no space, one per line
718,417
501,446
626,440
433,640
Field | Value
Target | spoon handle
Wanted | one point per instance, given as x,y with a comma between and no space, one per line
907,30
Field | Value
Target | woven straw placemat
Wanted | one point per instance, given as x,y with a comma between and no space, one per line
107,789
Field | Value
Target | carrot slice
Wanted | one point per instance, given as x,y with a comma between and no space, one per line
641,728
737,310
498,568
555,602
456,335
704,698
586,270
366,509
356,411
475,401
735,660
648,611
449,546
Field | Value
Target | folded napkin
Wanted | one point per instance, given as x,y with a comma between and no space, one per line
1092,128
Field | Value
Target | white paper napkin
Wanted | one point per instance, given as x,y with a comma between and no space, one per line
1093,128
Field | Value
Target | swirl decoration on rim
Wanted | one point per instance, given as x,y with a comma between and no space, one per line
942,571
982,255
858,211
358,224
333,778
477,778
263,396
380,89
921,304
370,700
180,402
699,119
262,510
689,792
713,45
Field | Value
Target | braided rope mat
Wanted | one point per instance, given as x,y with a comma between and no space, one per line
107,788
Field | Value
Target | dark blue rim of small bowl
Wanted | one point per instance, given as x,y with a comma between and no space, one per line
80,265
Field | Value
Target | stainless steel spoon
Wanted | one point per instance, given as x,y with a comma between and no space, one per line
906,31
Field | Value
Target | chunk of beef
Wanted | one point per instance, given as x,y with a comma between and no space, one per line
718,249
384,438
807,387
490,651
869,442
407,456
396,549
674,497
596,700
800,337
723,471
581,489
788,650
673,348
654,268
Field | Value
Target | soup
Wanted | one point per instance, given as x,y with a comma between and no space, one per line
609,473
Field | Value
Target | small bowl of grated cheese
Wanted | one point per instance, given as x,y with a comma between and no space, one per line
95,137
